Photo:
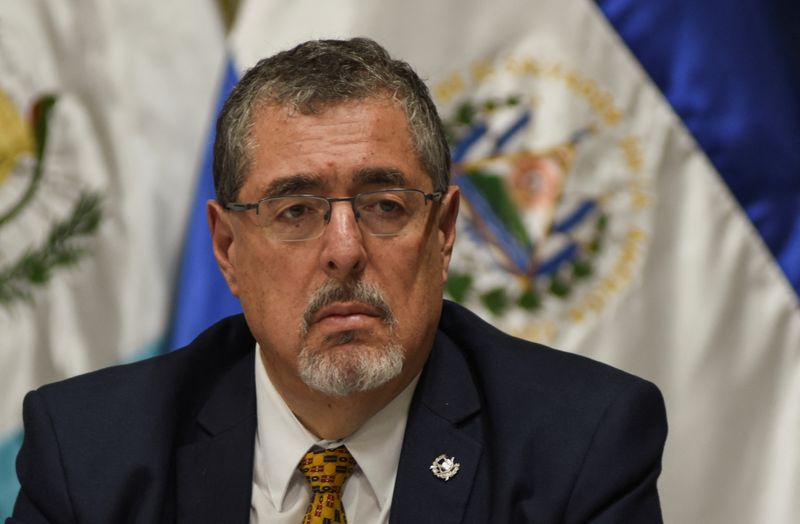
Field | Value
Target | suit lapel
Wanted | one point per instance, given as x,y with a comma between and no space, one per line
442,421
214,473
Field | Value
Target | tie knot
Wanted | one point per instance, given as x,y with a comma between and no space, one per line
326,470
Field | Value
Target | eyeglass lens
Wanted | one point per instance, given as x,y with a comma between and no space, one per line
380,213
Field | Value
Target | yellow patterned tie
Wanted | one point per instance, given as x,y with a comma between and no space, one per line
326,470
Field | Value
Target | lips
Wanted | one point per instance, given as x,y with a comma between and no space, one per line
349,314
346,307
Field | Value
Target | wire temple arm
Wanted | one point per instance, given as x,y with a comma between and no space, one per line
236,206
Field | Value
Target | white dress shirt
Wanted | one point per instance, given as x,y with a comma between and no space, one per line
281,494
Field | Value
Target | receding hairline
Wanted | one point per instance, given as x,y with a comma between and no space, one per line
316,75
259,107
266,98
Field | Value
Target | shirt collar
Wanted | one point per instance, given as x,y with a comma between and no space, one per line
377,444
282,440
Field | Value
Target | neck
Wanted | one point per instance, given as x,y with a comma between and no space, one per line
334,417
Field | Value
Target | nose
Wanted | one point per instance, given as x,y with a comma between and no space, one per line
343,255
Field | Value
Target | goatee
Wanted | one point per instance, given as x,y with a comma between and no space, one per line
359,367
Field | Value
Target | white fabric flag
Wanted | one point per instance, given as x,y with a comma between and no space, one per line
92,224
594,222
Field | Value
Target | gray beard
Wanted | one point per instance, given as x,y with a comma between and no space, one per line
344,371
360,367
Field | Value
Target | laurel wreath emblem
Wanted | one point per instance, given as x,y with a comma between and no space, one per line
530,286
65,243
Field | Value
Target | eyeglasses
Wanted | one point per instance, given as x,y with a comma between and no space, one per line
385,213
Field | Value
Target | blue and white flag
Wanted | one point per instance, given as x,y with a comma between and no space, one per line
104,108
631,193
202,295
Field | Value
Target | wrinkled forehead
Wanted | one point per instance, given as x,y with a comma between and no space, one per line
365,142
312,102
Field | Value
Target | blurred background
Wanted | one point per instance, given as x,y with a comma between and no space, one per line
630,173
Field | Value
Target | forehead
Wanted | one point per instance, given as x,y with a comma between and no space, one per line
334,146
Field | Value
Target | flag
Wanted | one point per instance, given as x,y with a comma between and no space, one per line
202,296
739,98
103,113
629,173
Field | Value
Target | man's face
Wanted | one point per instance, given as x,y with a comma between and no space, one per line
345,298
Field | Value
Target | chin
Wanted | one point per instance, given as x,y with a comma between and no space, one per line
350,366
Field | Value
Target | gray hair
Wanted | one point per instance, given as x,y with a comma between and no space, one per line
315,75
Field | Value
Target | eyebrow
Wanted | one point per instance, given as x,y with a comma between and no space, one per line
306,182
385,176
292,185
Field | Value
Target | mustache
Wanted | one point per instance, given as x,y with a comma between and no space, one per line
333,291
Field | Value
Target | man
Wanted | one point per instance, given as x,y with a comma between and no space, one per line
348,388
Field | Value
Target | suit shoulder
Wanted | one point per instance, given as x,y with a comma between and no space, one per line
582,432
529,367
157,378
95,440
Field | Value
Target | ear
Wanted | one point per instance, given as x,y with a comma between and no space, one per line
448,214
222,241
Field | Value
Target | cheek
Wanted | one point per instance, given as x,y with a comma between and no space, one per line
414,274
269,289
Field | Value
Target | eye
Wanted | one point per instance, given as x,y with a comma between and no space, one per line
383,206
292,210
388,207
295,212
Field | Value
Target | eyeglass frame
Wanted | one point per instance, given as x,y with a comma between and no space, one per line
435,197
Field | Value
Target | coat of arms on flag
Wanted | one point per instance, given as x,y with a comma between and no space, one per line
23,154
556,203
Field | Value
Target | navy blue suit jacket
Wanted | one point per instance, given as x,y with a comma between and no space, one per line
540,435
